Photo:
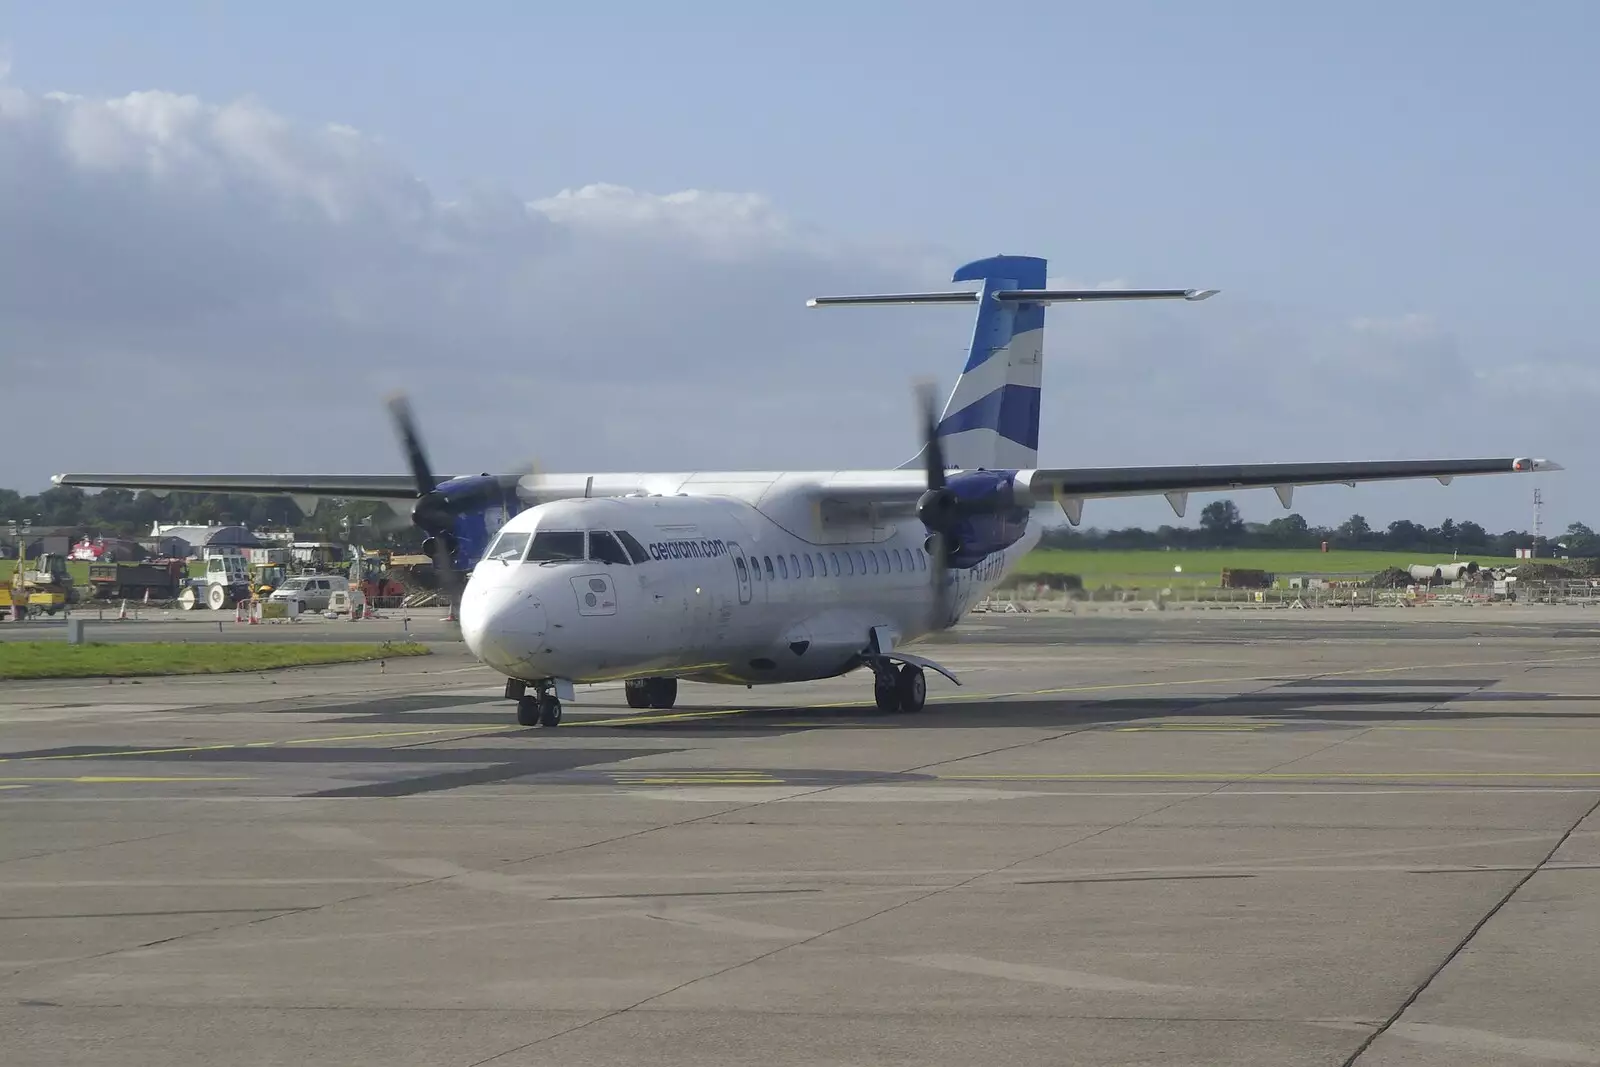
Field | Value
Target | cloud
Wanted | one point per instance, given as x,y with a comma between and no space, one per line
190,285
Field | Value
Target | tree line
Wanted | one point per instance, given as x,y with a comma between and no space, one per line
1221,526
127,514
124,513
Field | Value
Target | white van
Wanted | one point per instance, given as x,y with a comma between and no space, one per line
310,592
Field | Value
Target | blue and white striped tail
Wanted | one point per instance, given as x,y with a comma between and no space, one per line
992,417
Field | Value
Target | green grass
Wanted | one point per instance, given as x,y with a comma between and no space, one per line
1154,569
57,659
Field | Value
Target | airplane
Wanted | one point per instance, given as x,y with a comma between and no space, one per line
762,577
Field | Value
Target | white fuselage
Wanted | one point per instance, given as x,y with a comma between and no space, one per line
726,593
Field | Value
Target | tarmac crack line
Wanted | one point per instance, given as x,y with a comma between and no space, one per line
1450,957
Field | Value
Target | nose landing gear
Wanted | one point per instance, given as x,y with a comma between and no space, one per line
540,708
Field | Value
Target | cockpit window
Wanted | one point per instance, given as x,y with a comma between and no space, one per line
635,549
553,545
508,547
603,548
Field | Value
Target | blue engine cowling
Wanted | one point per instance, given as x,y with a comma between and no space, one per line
465,514
977,513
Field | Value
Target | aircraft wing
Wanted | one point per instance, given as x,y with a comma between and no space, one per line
1070,487
894,494
355,486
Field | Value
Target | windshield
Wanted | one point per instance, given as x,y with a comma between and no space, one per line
507,547
554,545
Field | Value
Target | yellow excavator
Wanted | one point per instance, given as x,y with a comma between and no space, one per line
47,588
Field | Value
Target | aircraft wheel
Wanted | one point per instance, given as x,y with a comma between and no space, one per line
885,692
549,711
911,688
528,711
637,690
663,692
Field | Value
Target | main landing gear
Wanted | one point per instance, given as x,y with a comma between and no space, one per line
899,689
651,692
539,708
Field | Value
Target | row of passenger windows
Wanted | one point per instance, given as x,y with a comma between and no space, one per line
604,546
847,563
549,546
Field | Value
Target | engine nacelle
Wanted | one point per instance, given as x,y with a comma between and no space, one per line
975,514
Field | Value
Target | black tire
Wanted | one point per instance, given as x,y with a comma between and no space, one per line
911,688
663,692
637,690
550,712
528,711
886,693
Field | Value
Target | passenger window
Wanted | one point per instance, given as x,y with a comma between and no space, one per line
783,568
849,566
810,571
744,573
604,548
507,547
834,556
794,564
822,565
768,561
635,549
551,546
861,564
883,556
873,556
922,560
755,568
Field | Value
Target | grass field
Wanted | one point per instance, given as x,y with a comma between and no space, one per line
57,659
1154,569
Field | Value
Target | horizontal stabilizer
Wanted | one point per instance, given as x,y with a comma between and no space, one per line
1017,296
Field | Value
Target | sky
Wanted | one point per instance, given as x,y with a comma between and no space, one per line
584,237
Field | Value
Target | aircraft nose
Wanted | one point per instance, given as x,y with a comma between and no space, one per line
504,626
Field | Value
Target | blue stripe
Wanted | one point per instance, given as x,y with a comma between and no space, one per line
1012,411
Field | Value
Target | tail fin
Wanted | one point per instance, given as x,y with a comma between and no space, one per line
992,417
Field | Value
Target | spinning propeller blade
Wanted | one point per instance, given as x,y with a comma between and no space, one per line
427,514
933,465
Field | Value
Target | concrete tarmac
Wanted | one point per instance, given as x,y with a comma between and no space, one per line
1269,839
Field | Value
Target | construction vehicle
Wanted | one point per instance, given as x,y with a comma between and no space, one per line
45,589
225,583
157,579
265,577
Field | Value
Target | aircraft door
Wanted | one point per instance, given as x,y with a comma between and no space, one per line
741,571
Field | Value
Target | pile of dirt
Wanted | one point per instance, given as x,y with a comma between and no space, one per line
1538,571
1390,578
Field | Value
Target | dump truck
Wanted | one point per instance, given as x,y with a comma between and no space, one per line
160,579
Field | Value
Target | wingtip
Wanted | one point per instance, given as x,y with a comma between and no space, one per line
1201,294
1537,464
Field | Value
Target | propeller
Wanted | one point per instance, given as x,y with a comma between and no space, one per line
431,512
938,500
